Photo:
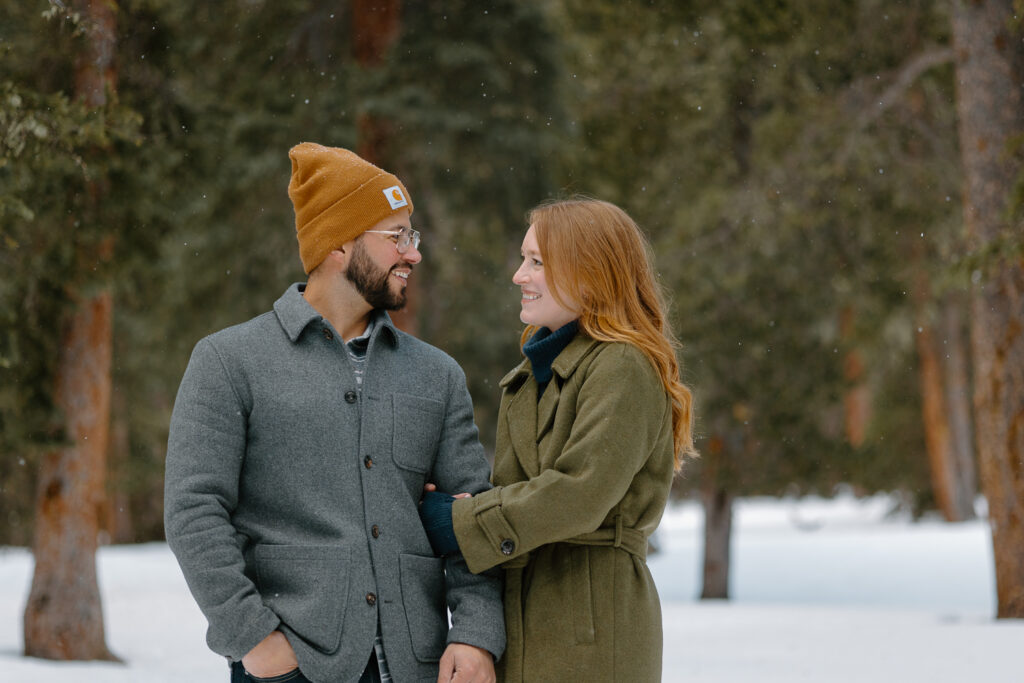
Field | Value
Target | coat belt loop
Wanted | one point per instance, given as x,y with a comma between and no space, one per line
618,531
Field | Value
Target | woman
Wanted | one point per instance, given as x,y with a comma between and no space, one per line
592,426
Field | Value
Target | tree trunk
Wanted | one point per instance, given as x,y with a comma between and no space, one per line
938,436
375,28
717,539
717,500
117,521
958,405
375,25
857,397
990,112
63,615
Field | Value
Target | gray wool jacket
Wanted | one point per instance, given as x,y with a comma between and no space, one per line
291,498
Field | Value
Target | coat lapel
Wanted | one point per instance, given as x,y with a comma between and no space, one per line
546,408
521,417
526,421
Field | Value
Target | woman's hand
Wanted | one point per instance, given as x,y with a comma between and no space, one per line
432,487
436,516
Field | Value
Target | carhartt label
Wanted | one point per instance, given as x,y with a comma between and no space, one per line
396,198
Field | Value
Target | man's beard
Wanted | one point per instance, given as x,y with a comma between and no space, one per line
372,282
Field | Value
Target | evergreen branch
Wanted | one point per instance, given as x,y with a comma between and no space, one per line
905,78
868,108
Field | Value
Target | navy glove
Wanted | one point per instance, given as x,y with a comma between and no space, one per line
436,515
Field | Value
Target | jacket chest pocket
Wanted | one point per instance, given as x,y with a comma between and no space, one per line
417,423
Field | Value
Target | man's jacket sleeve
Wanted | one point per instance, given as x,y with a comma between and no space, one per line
205,451
475,600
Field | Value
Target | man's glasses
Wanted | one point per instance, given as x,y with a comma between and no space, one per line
403,239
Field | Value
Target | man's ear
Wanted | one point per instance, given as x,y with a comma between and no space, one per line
347,247
335,259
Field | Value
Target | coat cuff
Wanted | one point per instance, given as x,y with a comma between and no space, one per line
494,645
485,536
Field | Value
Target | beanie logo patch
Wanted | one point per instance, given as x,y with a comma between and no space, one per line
395,196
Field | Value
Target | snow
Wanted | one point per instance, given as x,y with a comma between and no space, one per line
823,590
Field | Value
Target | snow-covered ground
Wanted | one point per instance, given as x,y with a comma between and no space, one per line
836,591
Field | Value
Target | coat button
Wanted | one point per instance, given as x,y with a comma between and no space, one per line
350,396
371,599
367,462
507,547
375,531
327,334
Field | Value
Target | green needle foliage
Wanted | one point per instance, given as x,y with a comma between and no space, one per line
794,163
748,139
192,156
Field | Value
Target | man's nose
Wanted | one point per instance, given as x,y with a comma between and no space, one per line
412,255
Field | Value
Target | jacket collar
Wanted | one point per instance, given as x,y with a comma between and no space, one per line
295,313
573,354
563,366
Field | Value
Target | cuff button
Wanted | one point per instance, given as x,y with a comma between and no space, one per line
507,547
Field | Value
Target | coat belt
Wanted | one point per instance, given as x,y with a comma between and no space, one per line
617,536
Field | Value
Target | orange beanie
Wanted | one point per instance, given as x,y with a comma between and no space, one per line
337,196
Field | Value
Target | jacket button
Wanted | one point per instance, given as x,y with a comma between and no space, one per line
371,599
367,462
327,334
375,531
507,547
350,396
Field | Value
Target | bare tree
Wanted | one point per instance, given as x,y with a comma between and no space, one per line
989,59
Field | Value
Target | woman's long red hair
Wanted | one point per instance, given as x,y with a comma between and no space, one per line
597,260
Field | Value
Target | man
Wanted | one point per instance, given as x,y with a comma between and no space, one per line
299,446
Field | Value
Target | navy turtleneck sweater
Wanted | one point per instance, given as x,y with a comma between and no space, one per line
544,347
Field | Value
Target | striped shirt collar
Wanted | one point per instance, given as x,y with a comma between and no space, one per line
295,313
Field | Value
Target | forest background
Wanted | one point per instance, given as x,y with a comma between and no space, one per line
796,165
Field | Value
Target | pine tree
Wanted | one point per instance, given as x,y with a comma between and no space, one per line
989,68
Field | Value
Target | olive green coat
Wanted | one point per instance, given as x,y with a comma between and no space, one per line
581,480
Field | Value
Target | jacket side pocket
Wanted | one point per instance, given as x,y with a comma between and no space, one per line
306,586
583,595
423,593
